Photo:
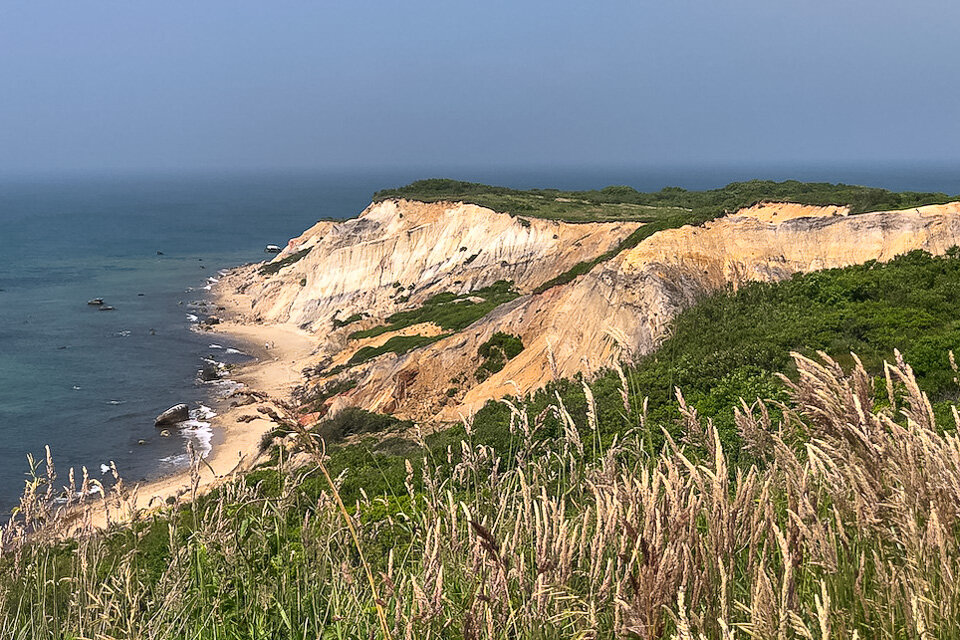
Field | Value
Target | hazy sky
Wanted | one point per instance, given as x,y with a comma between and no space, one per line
309,84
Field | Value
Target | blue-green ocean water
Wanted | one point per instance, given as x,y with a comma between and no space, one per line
89,383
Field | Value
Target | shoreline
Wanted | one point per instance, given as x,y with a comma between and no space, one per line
272,374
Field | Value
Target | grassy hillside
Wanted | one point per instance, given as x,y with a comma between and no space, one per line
595,510
626,203
731,346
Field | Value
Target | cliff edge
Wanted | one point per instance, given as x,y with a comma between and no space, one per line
398,254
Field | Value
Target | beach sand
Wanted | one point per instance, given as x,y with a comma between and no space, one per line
280,352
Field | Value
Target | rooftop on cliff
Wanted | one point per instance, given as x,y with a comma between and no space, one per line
626,203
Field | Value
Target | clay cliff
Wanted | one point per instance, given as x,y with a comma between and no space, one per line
397,254
620,309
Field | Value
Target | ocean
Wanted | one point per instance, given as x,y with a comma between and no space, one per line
89,383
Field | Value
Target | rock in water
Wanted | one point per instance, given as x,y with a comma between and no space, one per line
94,302
210,372
176,413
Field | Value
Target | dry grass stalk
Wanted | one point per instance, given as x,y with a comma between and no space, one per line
852,532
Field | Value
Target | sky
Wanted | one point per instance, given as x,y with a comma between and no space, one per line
308,84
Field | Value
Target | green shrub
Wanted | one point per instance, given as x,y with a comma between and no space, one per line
337,323
353,421
450,311
495,352
276,265
397,344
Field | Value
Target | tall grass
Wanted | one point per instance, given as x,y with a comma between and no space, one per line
846,526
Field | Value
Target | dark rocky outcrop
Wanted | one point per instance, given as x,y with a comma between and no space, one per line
209,372
173,415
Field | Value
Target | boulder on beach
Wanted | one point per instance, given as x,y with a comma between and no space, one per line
212,320
243,401
176,413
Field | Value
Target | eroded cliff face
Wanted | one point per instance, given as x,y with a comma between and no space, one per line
620,309
397,254
623,307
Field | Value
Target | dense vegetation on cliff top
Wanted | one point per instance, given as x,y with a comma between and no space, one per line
626,203
581,512
668,208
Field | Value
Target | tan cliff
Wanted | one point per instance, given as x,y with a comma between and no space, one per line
620,309
396,254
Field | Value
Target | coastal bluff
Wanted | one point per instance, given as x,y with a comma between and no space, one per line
345,282
397,254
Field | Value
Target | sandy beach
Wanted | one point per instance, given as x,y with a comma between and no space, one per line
279,353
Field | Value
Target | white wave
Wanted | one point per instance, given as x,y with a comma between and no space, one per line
200,433
215,346
104,468
225,386
176,460
193,318
79,494
203,413
236,351
115,402
122,334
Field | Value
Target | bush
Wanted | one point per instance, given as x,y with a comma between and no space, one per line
353,421
397,344
495,352
449,310
337,323
275,266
